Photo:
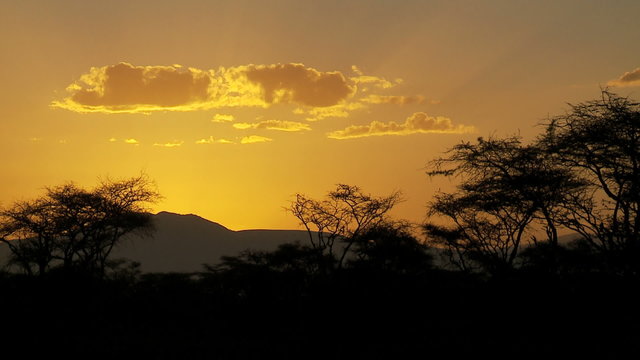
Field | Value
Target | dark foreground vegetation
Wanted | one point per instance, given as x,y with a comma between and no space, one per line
257,314
492,277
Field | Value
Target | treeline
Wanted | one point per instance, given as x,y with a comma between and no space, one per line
487,275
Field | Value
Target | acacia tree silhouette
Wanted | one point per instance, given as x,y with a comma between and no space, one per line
343,215
599,141
506,189
73,227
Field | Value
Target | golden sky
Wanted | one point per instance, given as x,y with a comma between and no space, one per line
234,106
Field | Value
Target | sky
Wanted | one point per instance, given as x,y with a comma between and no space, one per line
232,107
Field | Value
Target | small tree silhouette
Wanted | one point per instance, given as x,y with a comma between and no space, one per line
391,247
342,216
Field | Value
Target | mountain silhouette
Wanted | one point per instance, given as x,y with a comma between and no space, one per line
182,243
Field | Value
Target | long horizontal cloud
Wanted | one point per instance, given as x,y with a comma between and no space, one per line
212,140
630,78
417,123
252,139
171,144
394,99
281,125
336,111
142,89
222,118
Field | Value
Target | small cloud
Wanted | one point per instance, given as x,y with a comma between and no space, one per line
113,140
630,78
374,81
281,125
394,99
242,126
222,118
417,123
171,144
132,141
35,139
212,140
336,111
62,141
252,139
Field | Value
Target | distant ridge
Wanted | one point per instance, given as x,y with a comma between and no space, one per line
183,242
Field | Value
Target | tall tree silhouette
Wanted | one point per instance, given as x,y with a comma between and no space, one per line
506,188
73,227
599,141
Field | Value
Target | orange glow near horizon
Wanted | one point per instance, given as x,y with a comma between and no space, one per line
233,108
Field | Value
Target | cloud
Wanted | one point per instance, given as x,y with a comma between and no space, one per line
112,140
630,78
374,81
417,123
366,82
297,83
281,125
212,140
132,141
222,118
126,88
252,139
394,99
171,144
336,111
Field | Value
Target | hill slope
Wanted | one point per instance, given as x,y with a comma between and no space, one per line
185,242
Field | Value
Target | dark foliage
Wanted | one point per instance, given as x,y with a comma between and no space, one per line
351,313
390,247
